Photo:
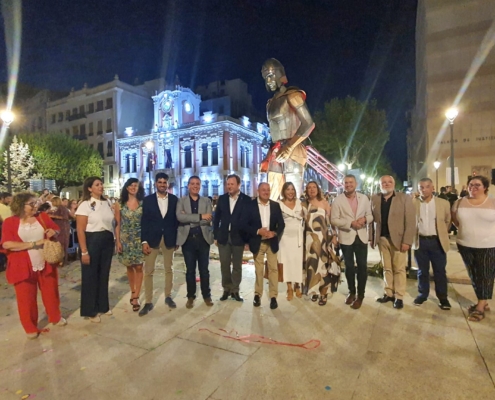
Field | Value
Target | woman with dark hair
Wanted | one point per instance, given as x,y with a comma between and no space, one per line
23,236
474,215
316,212
60,215
95,218
128,236
290,253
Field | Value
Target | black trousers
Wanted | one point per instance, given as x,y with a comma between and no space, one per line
95,275
360,250
196,252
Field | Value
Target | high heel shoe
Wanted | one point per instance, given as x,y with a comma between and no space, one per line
323,300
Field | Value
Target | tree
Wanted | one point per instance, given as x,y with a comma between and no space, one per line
354,133
65,160
21,165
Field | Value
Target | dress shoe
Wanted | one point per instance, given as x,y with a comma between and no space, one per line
398,304
190,302
419,300
225,296
170,303
445,305
350,299
237,297
273,303
208,302
385,299
257,300
146,309
356,304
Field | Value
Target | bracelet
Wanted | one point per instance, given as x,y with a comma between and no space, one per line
85,254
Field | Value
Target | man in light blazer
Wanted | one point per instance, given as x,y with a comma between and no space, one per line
431,243
351,215
393,231
264,224
195,236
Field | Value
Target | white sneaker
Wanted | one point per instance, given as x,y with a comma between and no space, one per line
61,322
96,319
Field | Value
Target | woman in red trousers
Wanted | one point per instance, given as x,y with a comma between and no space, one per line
23,236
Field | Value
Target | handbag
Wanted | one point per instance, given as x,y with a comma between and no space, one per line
280,268
53,252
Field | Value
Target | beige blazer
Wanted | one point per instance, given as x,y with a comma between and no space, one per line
442,222
401,219
342,216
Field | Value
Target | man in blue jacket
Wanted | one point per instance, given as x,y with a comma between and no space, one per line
159,232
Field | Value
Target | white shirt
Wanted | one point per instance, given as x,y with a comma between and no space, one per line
232,203
476,223
264,214
100,215
32,233
162,204
427,218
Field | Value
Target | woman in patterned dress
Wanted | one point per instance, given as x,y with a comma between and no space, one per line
128,236
316,212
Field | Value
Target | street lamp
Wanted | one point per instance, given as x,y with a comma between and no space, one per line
149,145
341,167
7,117
451,115
436,164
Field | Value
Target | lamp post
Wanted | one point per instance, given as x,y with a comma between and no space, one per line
451,115
150,145
7,117
436,164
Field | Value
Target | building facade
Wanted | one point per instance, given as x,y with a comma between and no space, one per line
455,66
185,142
96,115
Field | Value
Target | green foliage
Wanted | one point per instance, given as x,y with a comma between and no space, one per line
353,132
63,159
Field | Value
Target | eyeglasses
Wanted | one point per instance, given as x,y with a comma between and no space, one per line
32,204
478,185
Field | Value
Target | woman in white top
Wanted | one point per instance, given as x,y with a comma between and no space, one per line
474,215
23,236
95,220
290,253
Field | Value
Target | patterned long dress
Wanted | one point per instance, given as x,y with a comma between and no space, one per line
316,260
130,236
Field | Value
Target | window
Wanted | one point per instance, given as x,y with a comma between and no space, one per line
247,158
110,149
81,110
205,185
168,158
109,125
134,163
54,118
127,163
99,131
91,108
100,149
214,154
188,157
243,186
243,159
99,105
204,148
75,130
215,187
82,129
110,174
74,111
67,115
90,128
109,103
60,116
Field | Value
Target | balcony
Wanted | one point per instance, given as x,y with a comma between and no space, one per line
99,133
74,117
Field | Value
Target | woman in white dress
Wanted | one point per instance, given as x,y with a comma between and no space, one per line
290,253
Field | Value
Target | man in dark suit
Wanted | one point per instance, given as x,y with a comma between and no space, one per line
228,236
264,224
159,232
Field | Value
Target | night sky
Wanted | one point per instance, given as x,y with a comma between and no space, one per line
333,48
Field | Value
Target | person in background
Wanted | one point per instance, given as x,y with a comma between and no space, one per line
5,212
23,236
464,191
474,215
95,220
128,215
443,193
65,203
60,216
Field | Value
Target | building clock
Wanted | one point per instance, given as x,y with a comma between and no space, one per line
167,104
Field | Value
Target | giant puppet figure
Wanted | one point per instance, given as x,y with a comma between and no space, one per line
290,124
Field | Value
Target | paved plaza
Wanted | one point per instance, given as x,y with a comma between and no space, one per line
376,352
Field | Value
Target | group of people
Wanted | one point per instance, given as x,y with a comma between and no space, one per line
296,238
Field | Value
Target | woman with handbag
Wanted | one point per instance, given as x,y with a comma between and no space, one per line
95,220
24,236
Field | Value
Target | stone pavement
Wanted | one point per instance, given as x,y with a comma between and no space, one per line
376,352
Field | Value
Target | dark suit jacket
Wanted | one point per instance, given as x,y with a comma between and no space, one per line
223,219
252,222
154,226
